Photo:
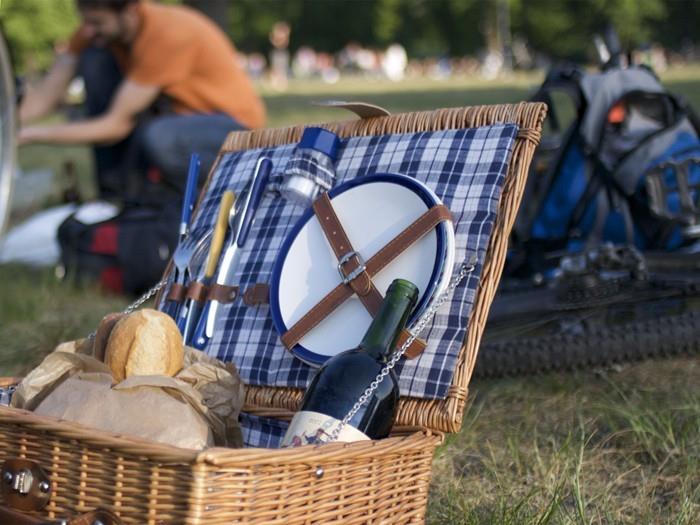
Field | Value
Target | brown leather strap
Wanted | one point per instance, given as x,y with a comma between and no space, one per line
9,516
318,313
256,295
222,293
197,291
415,231
396,246
349,262
176,293
415,349
103,516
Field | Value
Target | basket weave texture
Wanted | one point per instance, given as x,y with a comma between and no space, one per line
382,481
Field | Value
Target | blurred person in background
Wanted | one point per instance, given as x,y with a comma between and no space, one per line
279,56
160,81
394,62
304,63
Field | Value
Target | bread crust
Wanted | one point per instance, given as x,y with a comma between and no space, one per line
146,342
104,329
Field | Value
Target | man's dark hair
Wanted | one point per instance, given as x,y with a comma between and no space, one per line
112,5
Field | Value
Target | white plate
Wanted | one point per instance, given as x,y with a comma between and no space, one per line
373,210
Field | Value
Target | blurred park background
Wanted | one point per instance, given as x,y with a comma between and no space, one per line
441,38
402,54
619,445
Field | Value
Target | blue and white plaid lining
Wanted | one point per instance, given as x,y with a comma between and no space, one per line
465,168
262,432
311,164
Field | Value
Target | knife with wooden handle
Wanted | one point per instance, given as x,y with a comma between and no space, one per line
189,313
240,228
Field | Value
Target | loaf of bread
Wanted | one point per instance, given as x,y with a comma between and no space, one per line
146,342
104,329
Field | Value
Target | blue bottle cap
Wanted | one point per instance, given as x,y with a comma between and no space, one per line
322,140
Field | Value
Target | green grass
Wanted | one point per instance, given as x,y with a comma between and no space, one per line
37,312
597,447
591,447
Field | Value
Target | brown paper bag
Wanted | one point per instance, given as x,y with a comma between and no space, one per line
198,407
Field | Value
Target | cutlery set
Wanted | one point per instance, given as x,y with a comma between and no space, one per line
196,311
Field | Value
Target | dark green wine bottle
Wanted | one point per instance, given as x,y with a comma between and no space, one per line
342,380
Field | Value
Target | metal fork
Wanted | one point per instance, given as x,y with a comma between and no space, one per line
182,255
184,258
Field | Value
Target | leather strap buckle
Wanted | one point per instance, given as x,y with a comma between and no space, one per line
356,272
24,484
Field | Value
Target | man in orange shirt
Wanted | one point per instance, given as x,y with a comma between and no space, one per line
161,82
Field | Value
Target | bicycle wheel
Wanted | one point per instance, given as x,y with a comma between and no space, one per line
662,337
534,330
8,145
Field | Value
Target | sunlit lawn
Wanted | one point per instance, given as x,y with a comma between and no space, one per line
607,446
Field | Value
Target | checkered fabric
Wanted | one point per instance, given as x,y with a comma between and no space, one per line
262,432
465,168
311,164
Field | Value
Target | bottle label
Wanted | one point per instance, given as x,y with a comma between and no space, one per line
311,428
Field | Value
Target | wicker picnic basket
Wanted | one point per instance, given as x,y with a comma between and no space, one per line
386,481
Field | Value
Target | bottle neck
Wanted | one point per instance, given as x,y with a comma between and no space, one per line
380,339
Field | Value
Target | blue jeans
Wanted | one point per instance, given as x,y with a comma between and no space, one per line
161,139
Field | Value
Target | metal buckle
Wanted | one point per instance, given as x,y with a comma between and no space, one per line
24,485
356,272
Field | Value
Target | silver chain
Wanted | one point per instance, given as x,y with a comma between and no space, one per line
138,302
420,325
6,392
145,297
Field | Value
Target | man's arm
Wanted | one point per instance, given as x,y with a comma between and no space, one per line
40,100
113,126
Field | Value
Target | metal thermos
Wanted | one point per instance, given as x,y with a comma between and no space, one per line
311,168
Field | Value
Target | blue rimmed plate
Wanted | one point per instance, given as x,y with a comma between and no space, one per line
373,210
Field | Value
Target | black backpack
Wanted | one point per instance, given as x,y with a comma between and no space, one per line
125,254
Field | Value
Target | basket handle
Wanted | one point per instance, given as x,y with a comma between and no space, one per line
8,515
9,381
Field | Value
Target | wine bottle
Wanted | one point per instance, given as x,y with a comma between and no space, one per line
342,380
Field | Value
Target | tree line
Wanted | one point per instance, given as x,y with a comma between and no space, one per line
558,29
